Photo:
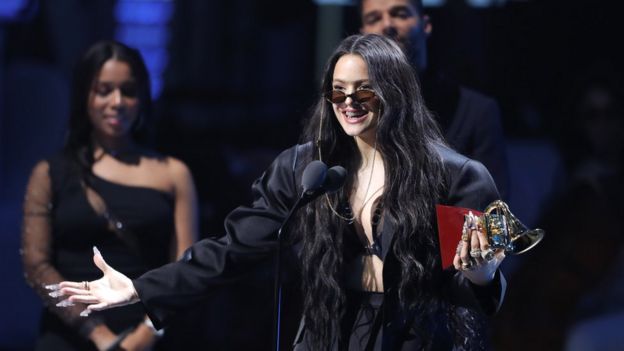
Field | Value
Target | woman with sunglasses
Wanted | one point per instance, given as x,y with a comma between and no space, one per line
370,261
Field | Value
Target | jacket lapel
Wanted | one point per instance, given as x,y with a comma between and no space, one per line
387,234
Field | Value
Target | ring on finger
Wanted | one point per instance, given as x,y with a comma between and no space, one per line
475,253
465,237
465,234
473,225
488,255
459,248
85,285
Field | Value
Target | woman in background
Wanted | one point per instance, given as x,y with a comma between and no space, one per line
105,188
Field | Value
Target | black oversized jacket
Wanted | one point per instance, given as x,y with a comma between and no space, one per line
251,234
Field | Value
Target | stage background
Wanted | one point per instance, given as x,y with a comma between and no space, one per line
233,80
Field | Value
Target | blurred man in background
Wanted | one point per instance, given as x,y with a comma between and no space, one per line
470,121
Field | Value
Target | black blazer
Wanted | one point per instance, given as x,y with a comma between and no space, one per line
251,234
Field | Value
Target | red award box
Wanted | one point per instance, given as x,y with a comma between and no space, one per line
450,223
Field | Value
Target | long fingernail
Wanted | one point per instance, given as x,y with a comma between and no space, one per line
85,313
52,287
96,251
56,293
65,303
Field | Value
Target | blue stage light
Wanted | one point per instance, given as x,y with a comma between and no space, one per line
144,24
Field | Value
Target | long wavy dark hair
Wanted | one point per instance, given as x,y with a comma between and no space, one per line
406,139
78,143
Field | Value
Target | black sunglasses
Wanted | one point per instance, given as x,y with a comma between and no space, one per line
360,96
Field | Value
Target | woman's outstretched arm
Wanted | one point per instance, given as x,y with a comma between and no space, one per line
112,290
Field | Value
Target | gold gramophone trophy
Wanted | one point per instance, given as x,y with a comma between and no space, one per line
505,231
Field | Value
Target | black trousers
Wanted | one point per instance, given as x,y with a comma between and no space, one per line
360,326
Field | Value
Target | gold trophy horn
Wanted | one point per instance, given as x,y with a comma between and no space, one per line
506,232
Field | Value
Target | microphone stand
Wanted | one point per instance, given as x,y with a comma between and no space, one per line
277,298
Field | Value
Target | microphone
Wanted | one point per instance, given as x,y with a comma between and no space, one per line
336,177
318,180
313,177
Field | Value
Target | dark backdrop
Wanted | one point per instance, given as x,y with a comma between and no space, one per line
241,76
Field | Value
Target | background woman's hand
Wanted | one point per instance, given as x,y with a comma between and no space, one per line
102,337
142,338
112,290
474,257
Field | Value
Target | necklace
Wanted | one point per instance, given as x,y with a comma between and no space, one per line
367,198
351,218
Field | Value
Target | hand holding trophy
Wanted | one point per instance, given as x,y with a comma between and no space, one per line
485,239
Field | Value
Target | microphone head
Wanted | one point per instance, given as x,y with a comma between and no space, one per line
335,179
313,176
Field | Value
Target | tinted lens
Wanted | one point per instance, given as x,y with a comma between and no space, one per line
363,95
360,96
336,96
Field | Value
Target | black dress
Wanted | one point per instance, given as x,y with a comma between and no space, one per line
62,249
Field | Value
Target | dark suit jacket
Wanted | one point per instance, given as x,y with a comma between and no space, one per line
471,123
476,131
251,237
